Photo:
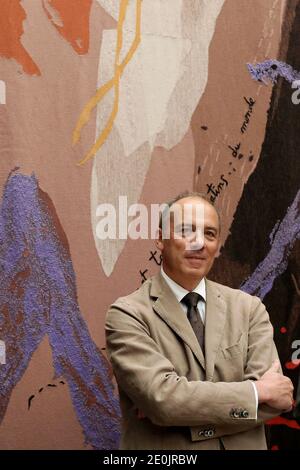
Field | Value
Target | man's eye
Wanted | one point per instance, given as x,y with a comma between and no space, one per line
210,234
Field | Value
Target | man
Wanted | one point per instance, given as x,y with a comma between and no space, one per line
194,360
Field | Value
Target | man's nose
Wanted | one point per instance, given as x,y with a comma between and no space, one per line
196,241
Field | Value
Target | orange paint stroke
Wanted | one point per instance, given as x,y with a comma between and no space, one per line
279,420
11,30
74,16
292,364
114,82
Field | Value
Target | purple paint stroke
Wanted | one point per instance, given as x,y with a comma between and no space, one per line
276,261
270,70
38,297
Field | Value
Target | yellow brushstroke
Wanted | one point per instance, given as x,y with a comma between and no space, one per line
104,89
114,82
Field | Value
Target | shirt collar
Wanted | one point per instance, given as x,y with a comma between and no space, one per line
180,291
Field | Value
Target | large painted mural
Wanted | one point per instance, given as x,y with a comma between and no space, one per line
102,99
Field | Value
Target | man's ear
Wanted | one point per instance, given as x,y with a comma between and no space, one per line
159,241
159,244
218,250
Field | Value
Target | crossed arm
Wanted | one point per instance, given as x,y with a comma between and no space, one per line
167,399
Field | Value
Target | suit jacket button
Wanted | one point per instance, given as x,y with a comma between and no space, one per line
245,414
234,413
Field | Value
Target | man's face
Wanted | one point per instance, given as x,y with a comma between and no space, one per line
193,242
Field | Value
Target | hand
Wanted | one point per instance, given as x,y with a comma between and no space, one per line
275,389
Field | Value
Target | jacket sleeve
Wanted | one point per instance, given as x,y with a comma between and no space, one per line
149,379
261,352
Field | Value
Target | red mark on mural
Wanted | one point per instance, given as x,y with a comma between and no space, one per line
279,420
71,19
11,30
275,448
283,329
292,364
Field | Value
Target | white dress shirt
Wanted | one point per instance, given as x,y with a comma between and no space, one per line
180,292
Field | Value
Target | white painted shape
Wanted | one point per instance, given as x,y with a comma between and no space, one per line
159,17
115,174
145,87
2,92
166,76
198,24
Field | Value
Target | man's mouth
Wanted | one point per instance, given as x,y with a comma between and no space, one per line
192,255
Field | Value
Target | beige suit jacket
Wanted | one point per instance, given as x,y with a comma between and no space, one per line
189,402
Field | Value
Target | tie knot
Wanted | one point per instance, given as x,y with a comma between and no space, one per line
191,299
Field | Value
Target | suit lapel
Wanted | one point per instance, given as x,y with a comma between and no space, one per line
167,307
215,318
